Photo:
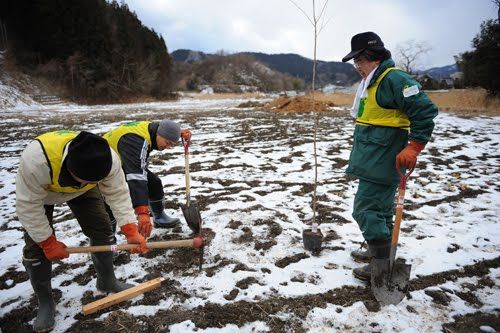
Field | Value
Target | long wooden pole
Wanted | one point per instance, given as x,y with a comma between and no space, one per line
196,242
121,296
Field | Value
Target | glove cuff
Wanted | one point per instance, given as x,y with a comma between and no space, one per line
142,210
417,146
129,229
49,241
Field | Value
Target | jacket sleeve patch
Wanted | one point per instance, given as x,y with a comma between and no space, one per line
410,91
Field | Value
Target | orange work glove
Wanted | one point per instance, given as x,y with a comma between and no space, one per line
53,249
133,237
408,157
186,134
144,220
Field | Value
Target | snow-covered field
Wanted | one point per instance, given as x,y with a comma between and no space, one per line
252,175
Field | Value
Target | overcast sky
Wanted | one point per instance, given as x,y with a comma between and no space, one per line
277,26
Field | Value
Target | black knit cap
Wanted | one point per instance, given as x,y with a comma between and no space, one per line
364,41
89,157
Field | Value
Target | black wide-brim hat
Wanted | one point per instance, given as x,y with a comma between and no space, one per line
364,41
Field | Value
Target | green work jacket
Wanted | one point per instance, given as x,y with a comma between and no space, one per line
374,150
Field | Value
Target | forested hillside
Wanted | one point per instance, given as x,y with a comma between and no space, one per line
94,49
230,73
293,65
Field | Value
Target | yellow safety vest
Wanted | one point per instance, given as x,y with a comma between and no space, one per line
53,144
373,114
136,127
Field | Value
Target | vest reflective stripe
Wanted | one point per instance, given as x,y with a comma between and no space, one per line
53,144
136,127
375,115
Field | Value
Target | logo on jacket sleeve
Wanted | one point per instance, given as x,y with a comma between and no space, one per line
410,91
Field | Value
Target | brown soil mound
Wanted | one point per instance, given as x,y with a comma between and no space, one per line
297,104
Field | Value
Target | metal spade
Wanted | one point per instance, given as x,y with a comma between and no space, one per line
190,209
389,280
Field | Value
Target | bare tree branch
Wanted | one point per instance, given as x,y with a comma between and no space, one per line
314,21
303,11
409,52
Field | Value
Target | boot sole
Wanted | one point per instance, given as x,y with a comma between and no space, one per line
43,330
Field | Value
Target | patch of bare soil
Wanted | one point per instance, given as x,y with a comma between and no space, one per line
472,322
17,320
214,315
281,263
297,104
11,278
480,269
465,192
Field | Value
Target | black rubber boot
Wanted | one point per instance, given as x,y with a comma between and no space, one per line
106,279
40,274
160,219
362,254
379,249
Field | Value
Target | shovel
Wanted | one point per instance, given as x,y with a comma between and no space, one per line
190,209
389,280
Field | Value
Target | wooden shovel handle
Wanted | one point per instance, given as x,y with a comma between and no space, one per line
186,170
196,242
399,211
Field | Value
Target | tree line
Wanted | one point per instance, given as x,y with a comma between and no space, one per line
97,50
481,65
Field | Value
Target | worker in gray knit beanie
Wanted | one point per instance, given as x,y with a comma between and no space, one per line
134,142
170,130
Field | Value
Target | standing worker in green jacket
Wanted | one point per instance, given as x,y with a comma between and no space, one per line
394,121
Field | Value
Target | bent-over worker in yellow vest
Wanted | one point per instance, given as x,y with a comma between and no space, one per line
79,169
133,142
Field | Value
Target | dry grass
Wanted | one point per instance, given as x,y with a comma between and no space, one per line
255,95
467,102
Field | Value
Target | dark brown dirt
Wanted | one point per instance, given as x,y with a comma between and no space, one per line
281,263
212,315
471,323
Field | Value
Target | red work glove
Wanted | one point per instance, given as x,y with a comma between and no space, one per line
186,134
144,221
133,237
408,157
53,249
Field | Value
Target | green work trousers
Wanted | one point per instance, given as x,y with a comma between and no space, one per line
90,213
374,209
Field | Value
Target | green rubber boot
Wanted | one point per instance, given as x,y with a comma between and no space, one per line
106,279
40,274
379,249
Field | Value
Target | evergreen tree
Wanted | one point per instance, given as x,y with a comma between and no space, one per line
480,66
99,49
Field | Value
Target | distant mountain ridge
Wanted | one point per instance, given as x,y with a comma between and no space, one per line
440,72
294,65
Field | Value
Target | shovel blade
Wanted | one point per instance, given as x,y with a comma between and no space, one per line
389,287
192,216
